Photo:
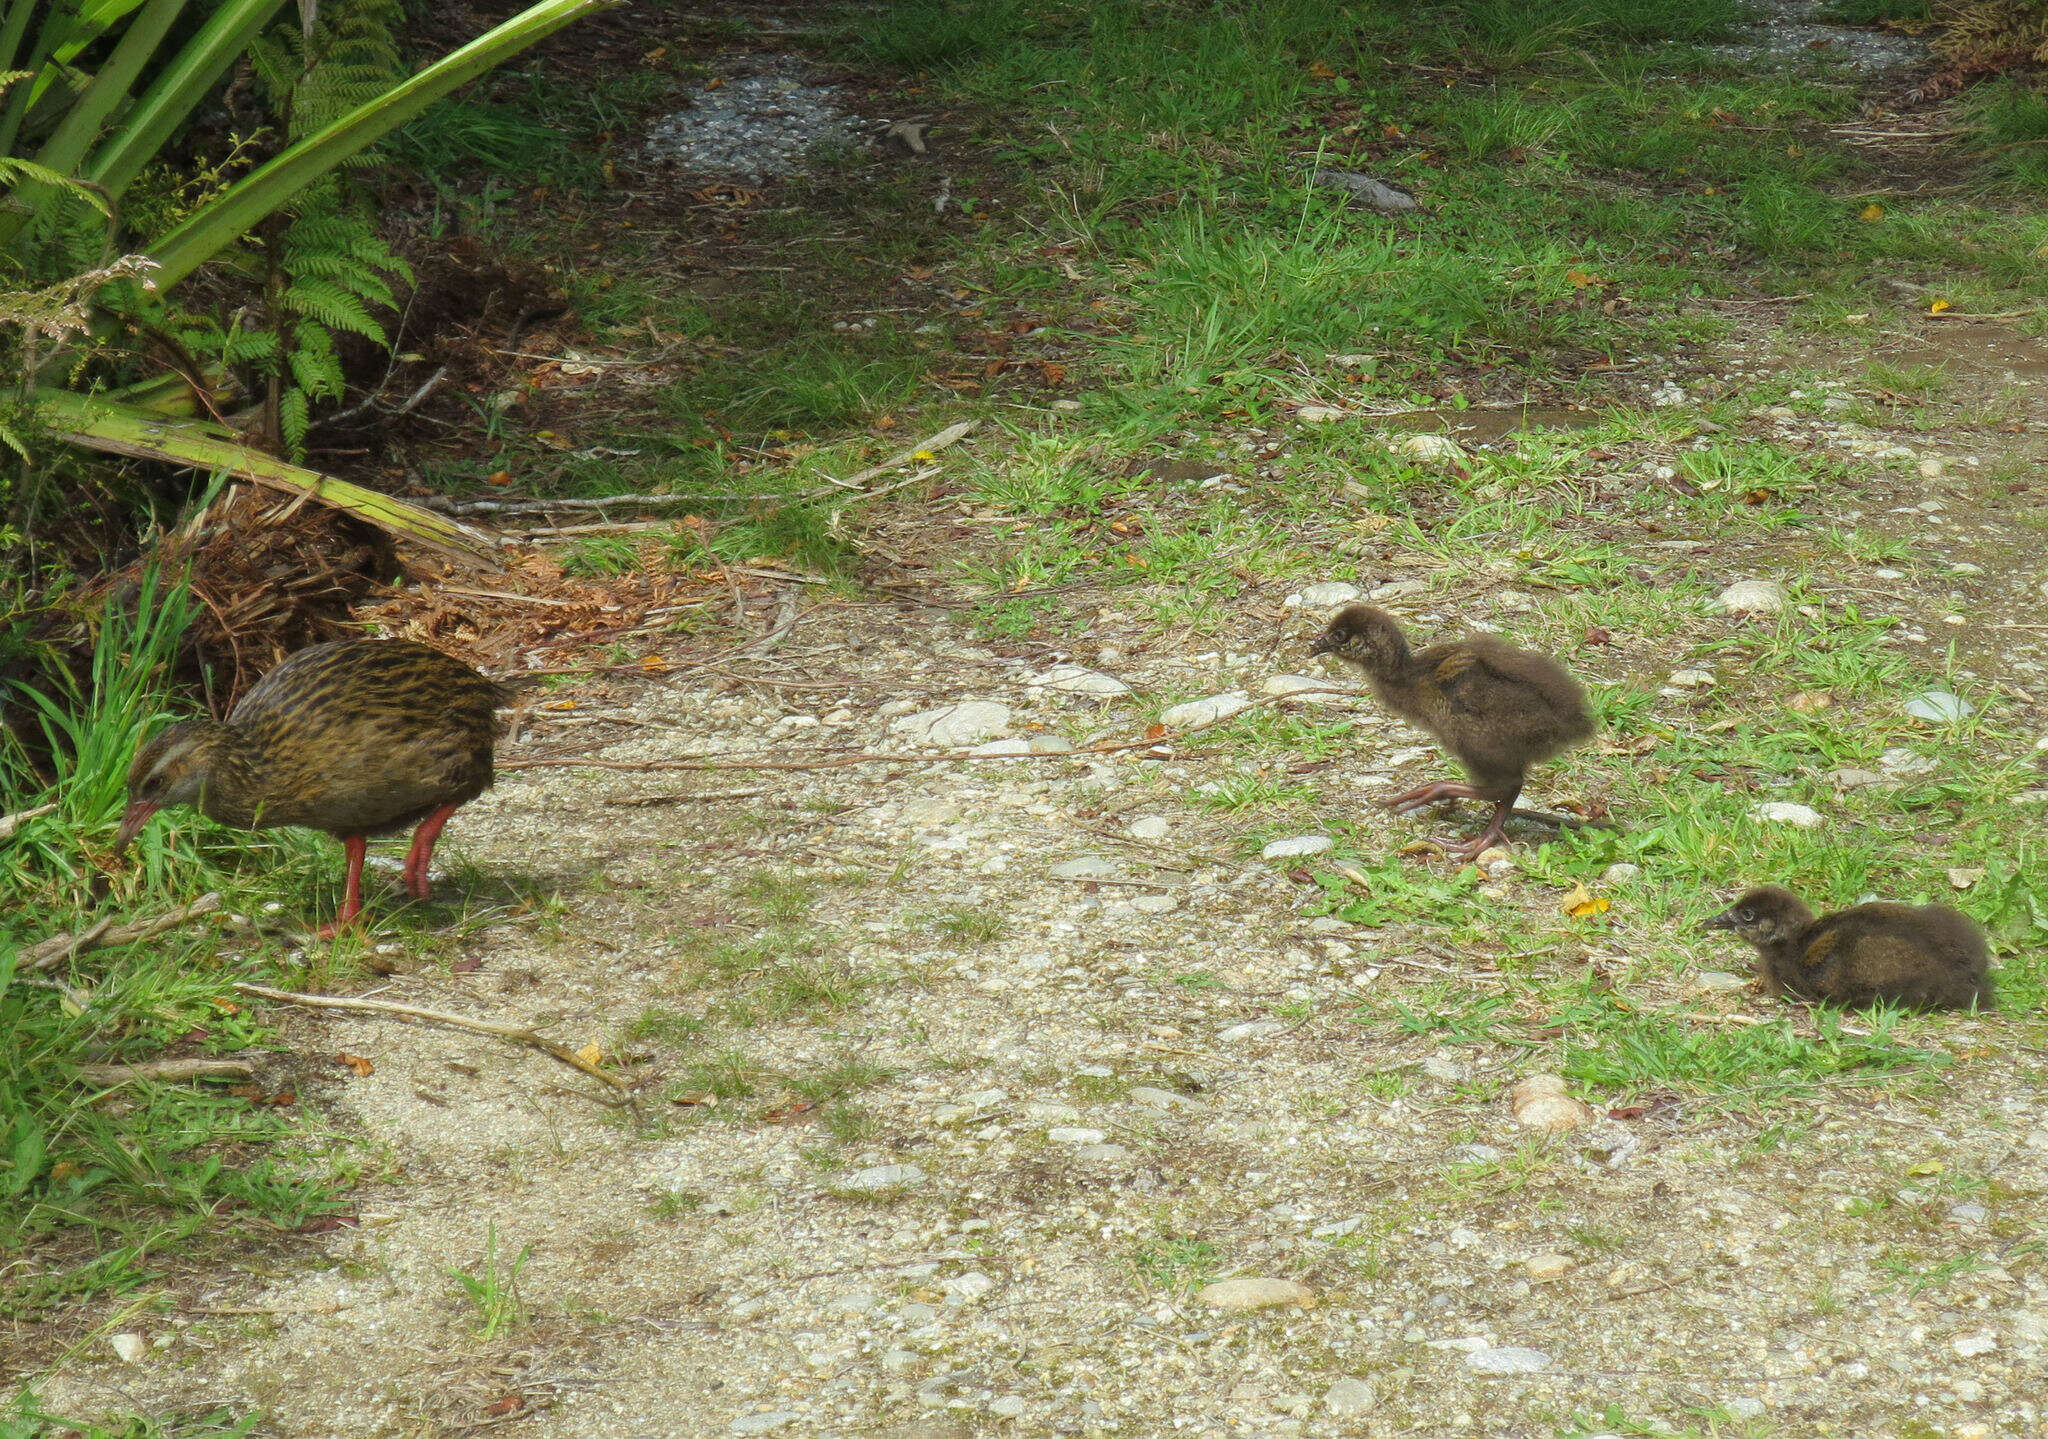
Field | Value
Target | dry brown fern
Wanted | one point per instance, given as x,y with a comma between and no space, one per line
1982,36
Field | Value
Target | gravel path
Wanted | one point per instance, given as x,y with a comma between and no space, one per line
1014,1059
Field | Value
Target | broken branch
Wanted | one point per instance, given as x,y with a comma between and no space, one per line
513,1033
168,1071
54,951
835,762
9,823
651,799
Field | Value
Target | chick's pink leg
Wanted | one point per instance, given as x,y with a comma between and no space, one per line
422,851
354,845
1494,833
1429,794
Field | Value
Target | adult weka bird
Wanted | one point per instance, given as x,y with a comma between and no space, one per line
1496,709
1926,956
356,738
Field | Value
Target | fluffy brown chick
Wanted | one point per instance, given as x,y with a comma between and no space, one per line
1496,709
1925,956
356,738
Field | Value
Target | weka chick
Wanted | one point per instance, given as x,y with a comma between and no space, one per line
1497,709
1927,956
356,738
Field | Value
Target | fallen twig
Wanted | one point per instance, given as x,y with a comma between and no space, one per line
706,798
9,823
54,951
848,488
1750,1021
694,762
611,527
169,1071
565,502
951,435
1654,1288
511,1032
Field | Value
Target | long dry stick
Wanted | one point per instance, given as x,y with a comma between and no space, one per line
651,799
54,951
832,762
951,435
167,1070
1750,1021
9,823
512,1032
849,489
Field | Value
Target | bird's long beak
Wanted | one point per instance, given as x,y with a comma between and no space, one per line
132,820
1724,920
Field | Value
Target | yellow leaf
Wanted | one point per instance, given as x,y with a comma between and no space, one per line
1581,279
1871,213
1938,307
590,1053
1810,701
924,455
1582,903
654,664
1925,1168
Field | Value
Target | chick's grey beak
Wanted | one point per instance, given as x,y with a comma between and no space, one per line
1724,920
132,820
1323,645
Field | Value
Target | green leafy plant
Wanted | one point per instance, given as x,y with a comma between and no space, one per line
75,139
494,1288
327,266
331,269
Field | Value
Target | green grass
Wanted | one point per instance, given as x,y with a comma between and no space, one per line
1176,1262
1873,12
970,926
117,1187
2010,116
493,1288
27,1418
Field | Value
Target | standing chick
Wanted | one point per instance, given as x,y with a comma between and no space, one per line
356,738
1497,709
1927,956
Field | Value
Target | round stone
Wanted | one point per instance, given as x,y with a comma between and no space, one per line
1256,1294
1508,1359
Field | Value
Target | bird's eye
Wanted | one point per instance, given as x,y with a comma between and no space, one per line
1744,916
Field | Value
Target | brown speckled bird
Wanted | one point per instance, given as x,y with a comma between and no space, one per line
1926,956
1496,709
357,738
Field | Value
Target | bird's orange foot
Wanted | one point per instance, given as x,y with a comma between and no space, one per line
347,919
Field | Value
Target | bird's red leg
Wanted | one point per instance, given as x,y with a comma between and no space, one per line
1429,794
354,845
422,850
1494,833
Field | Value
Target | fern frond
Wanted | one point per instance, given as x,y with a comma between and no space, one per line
332,305
295,419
